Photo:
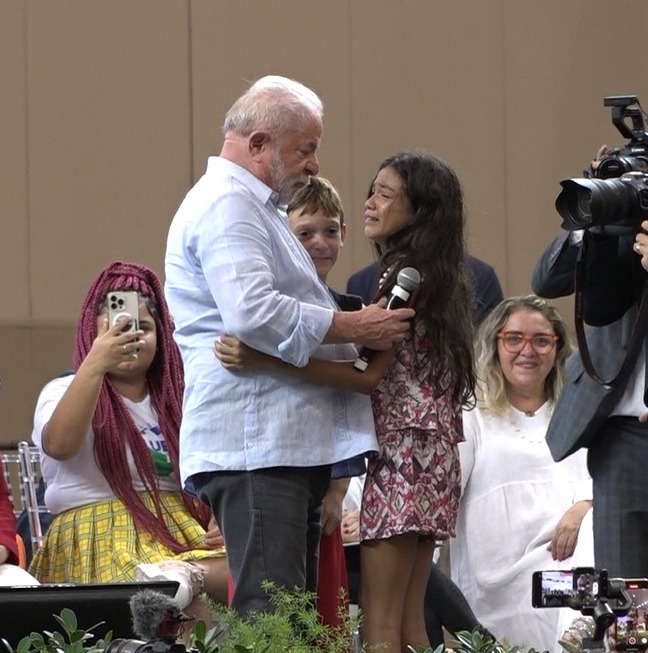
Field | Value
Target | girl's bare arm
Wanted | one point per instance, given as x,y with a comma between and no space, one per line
237,357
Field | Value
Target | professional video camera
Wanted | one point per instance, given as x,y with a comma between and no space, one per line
617,195
614,602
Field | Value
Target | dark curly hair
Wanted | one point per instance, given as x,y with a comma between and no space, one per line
433,243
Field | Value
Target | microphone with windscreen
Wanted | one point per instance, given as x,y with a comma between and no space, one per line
157,621
407,282
156,616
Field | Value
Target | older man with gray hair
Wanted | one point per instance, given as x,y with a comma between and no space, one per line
257,446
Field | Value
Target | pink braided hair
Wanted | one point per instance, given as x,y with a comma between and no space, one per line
112,423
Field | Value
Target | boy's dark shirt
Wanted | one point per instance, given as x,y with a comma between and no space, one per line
353,466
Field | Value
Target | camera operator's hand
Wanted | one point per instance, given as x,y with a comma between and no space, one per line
641,244
565,535
594,163
600,155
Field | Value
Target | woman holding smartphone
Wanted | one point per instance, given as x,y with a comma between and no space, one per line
108,435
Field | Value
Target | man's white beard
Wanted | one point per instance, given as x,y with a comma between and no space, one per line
281,183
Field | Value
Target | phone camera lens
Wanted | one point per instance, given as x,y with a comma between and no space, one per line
116,303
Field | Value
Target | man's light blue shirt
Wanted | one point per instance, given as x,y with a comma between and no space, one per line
233,266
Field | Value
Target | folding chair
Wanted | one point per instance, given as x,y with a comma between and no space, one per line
11,469
30,477
10,461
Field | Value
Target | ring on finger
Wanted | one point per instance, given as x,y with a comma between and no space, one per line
637,247
124,348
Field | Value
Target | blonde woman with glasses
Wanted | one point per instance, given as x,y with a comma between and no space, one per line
520,511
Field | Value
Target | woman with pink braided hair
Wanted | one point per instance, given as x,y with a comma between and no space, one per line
108,436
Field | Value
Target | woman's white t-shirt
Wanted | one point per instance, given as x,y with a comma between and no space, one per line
78,481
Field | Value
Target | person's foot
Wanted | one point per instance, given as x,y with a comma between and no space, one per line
190,576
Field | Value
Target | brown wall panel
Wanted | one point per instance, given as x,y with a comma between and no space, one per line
428,75
110,109
109,141
30,357
558,71
231,49
14,210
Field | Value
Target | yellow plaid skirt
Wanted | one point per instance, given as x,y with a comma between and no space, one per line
99,543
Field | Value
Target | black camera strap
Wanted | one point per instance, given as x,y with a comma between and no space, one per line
638,330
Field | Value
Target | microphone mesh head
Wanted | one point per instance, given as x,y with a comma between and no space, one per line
408,279
148,611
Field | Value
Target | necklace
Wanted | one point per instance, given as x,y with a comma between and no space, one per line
530,425
519,402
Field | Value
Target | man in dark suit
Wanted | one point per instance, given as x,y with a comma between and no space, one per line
486,285
604,417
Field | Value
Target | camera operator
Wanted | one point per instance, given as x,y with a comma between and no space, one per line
608,418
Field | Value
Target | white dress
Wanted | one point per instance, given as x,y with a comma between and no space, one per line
514,495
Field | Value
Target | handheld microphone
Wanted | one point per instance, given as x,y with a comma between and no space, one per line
407,281
156,616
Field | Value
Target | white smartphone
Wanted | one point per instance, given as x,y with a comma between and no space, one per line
123,303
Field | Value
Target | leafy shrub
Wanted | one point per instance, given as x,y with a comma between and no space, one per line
72,640
293,627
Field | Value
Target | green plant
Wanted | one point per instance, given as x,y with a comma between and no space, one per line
74,639
477,641
203,640
293,627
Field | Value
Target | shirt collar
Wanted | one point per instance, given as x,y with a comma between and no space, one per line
263,192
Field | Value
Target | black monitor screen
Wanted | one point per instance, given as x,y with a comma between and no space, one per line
24,610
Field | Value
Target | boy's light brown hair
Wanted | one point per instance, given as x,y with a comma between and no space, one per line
318,195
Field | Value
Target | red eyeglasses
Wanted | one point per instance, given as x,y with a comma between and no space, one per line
514,342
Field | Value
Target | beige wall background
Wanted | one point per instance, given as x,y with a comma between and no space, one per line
110,108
